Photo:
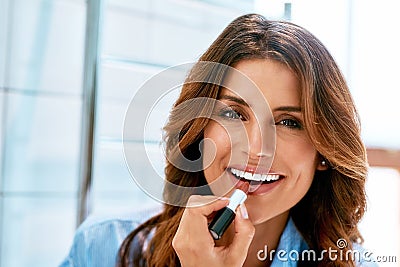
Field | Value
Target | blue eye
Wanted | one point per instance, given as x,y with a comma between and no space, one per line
231,114
290,123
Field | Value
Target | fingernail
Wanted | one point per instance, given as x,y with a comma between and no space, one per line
223,198
243,211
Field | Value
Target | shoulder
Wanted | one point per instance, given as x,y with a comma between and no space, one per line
292,247
363,256
97,240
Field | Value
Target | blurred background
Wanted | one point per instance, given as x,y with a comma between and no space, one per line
69,68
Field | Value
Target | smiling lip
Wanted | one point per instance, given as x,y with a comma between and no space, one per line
261,181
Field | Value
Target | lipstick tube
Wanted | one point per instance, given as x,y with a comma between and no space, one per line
225,216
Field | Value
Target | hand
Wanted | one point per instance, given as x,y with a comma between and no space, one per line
194,244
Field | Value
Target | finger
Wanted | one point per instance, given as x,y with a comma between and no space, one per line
205,205
193,227
194,221
244,233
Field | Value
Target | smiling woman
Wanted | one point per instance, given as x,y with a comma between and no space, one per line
319,158
296,158
293,143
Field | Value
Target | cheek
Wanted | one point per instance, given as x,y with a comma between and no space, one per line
299,159
298,154
216,150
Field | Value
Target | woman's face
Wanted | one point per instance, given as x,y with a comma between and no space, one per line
295,159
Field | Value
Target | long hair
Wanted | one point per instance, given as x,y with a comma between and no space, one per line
336,200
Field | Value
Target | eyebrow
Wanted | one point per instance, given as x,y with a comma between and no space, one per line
234,99
288,109
242,102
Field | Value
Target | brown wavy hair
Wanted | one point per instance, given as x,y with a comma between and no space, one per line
336,200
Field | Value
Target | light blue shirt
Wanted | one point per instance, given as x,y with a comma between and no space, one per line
97,241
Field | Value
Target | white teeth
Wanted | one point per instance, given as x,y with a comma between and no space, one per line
234,171
256,176
248,176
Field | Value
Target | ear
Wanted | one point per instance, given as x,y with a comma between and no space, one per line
322,164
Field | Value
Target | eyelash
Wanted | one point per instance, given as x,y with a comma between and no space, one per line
231,113
290,123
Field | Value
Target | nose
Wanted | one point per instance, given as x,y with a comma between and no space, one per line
259,141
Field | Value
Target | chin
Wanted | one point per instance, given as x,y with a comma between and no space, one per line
257,218
259,215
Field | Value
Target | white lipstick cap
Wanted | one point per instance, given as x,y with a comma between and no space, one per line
237,198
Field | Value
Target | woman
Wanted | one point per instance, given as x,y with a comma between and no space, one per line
314,196
319,153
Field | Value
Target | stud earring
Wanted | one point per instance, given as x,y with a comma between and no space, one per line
323,162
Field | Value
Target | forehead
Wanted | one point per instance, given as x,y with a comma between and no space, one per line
263,78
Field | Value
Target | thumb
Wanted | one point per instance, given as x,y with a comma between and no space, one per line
244,233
